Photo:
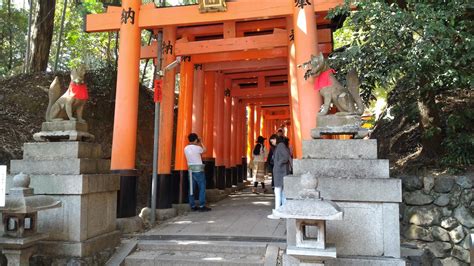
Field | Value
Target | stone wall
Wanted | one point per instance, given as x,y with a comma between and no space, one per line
437,215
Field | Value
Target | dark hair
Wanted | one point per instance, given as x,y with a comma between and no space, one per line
280,130
192,137
281,139
273,136
256,150
287,142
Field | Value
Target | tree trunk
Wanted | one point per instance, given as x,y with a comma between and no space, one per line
430,125
28,38
10,36
42,36
61,29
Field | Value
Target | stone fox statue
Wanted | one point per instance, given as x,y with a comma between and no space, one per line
347,100
72,102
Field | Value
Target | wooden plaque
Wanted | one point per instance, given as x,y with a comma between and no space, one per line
212,6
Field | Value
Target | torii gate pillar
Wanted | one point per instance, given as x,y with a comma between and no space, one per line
306,44
126,100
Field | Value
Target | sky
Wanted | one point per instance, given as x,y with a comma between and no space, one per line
19,3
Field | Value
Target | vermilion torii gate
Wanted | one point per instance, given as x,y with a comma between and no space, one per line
239,75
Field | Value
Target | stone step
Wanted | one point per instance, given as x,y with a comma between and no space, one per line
351,261
61,167
125,248
61,150
340,149
342,168
197,252
184,258
205,246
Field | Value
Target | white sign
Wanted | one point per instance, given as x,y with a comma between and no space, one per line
3,184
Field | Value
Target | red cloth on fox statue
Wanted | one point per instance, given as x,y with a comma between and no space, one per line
78,91
323,80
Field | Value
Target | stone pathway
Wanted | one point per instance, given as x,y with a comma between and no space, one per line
242,215
236,232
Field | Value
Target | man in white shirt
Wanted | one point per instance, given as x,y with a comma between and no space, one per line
193,152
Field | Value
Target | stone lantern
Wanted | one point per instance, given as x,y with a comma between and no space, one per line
20,220
306,222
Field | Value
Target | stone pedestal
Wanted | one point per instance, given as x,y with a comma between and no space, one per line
19,250
75,174
19,257
350,175
63,130
336,124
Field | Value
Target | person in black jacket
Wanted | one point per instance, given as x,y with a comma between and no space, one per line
272,142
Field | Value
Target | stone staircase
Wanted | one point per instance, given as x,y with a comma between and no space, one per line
202,252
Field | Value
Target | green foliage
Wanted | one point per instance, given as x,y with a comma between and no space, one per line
459,143
184,2
416,52
345,35
95,50
428,45
16,24
173,2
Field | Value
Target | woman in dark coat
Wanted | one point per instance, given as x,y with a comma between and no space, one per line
281,161
272,142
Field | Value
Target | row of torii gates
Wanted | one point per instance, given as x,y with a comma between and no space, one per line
239,77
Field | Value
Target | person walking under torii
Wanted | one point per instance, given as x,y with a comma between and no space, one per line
258,167
281,168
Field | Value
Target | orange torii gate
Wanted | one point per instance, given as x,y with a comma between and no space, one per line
236,63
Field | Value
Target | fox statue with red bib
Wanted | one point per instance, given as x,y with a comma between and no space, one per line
346,99
63,107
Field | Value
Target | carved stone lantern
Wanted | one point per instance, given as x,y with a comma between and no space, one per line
306,222
20,220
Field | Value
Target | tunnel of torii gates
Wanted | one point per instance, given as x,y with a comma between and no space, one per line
239,78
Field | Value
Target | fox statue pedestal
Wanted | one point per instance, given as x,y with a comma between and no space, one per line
74,173
63,130
351,176
339,124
